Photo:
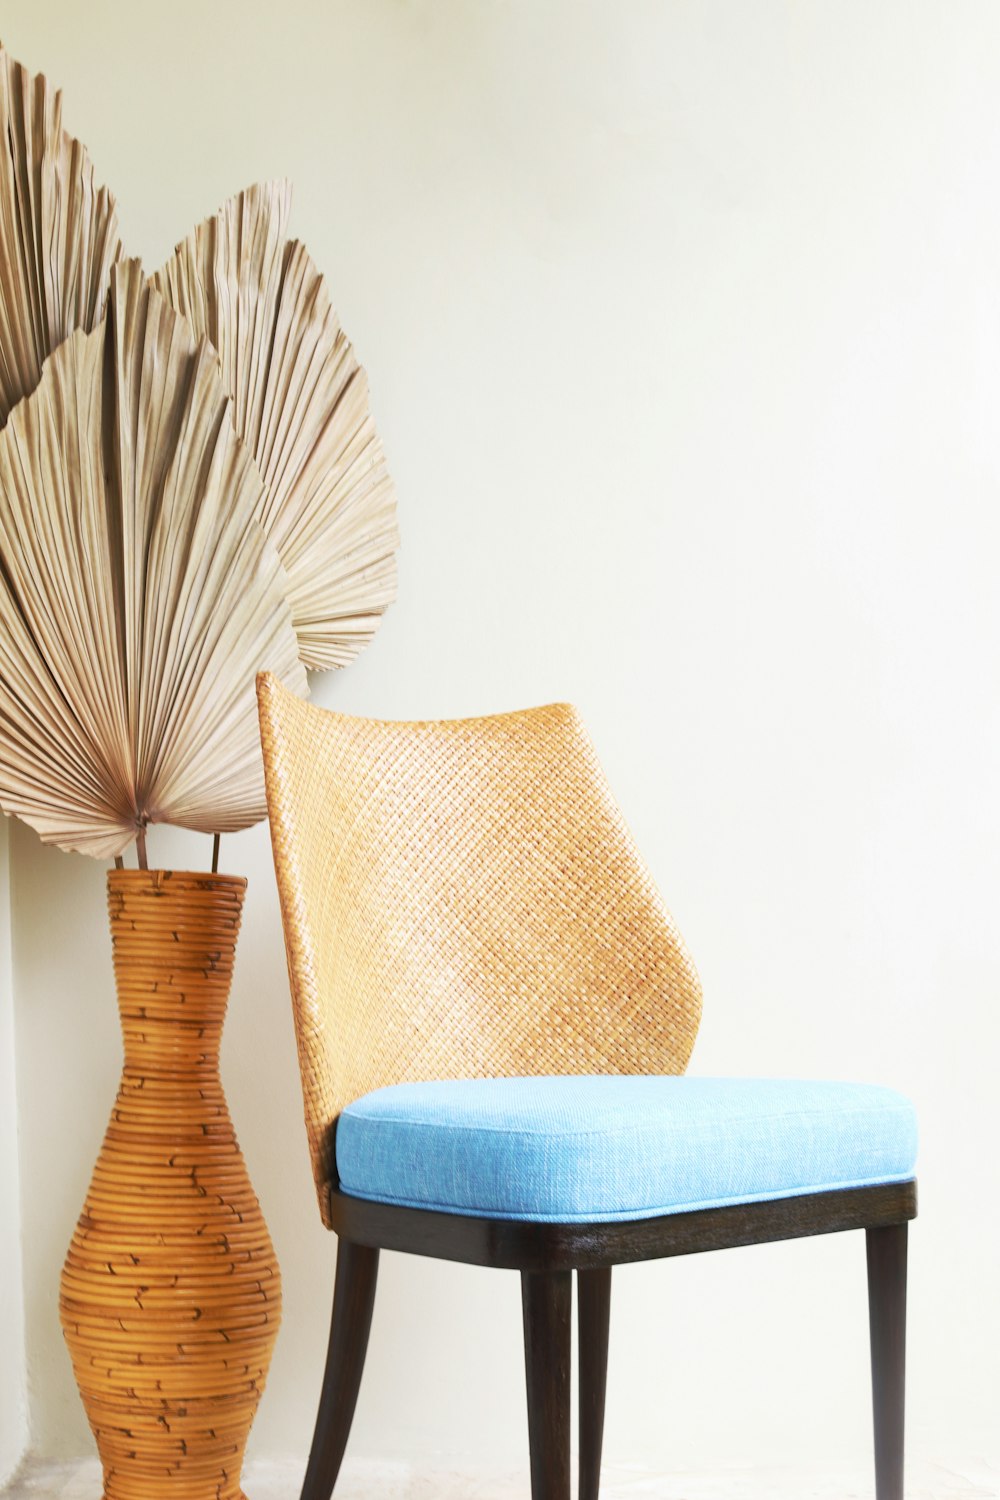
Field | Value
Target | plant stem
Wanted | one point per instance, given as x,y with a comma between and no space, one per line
140,847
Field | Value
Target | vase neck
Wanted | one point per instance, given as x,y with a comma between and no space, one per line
174,943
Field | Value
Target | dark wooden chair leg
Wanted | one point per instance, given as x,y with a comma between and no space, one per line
353,1300
593,1299
887,1316
547,1304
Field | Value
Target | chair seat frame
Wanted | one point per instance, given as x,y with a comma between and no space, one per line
547,1255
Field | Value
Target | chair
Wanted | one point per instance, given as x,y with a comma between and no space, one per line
493,1010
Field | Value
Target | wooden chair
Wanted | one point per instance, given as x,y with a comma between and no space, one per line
493,1008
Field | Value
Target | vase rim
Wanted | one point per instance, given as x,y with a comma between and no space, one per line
165,879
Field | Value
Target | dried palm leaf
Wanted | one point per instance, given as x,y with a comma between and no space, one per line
138,594
300,403
58,232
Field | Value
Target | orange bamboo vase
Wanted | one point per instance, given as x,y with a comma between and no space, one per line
171,1295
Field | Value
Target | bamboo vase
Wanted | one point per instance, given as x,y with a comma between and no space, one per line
171,1294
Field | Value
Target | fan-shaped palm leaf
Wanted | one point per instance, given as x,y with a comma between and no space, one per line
138,594
300,402
58,232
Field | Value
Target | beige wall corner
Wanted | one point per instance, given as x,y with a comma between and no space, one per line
13,1382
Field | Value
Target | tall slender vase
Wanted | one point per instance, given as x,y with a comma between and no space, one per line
171,1295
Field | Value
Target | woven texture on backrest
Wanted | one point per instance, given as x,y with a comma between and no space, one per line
461,899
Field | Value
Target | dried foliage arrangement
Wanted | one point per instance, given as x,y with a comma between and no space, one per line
191,490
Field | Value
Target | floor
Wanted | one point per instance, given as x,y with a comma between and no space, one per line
270,1480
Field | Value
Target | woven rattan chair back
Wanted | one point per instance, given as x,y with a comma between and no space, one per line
461,899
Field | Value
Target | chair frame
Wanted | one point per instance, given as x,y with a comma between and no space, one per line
547,1255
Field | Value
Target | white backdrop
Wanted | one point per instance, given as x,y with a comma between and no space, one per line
683,327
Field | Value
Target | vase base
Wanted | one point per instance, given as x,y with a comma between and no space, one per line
172,1487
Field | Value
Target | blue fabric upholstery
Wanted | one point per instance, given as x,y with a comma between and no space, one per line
589,1149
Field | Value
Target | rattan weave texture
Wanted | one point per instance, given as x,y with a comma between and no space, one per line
171,1294
461,899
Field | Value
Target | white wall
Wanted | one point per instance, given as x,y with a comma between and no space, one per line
683,326
13,1366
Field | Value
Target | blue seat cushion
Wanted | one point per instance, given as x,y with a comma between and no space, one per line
590,1149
